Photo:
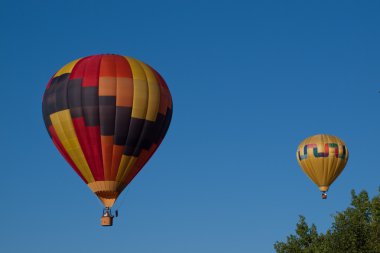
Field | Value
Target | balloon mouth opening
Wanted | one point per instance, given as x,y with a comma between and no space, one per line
323,188
108,198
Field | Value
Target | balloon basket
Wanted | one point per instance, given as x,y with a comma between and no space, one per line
107,217
106,221
324,195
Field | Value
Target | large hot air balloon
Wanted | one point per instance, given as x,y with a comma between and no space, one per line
322,157
107,115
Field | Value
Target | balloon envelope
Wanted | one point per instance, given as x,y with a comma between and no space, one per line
322,157
107,115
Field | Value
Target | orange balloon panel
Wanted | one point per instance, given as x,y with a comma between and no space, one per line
322,157
107,115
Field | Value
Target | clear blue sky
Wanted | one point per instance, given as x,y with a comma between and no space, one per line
249,80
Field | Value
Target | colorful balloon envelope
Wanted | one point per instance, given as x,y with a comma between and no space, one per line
107,115
322,157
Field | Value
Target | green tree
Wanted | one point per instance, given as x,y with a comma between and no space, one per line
306,239
354,230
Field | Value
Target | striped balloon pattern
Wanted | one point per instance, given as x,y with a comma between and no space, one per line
325,153
107,115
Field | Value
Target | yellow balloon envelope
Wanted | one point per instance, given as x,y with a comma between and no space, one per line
322,157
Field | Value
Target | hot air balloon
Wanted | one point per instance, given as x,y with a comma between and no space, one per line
322,157
107,115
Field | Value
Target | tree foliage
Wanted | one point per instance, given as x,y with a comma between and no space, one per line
354,230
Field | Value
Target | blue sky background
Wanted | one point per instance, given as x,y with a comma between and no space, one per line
249,79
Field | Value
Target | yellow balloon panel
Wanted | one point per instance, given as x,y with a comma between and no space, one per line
322,157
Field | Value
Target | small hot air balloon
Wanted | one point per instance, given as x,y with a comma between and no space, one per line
107,115
322,157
